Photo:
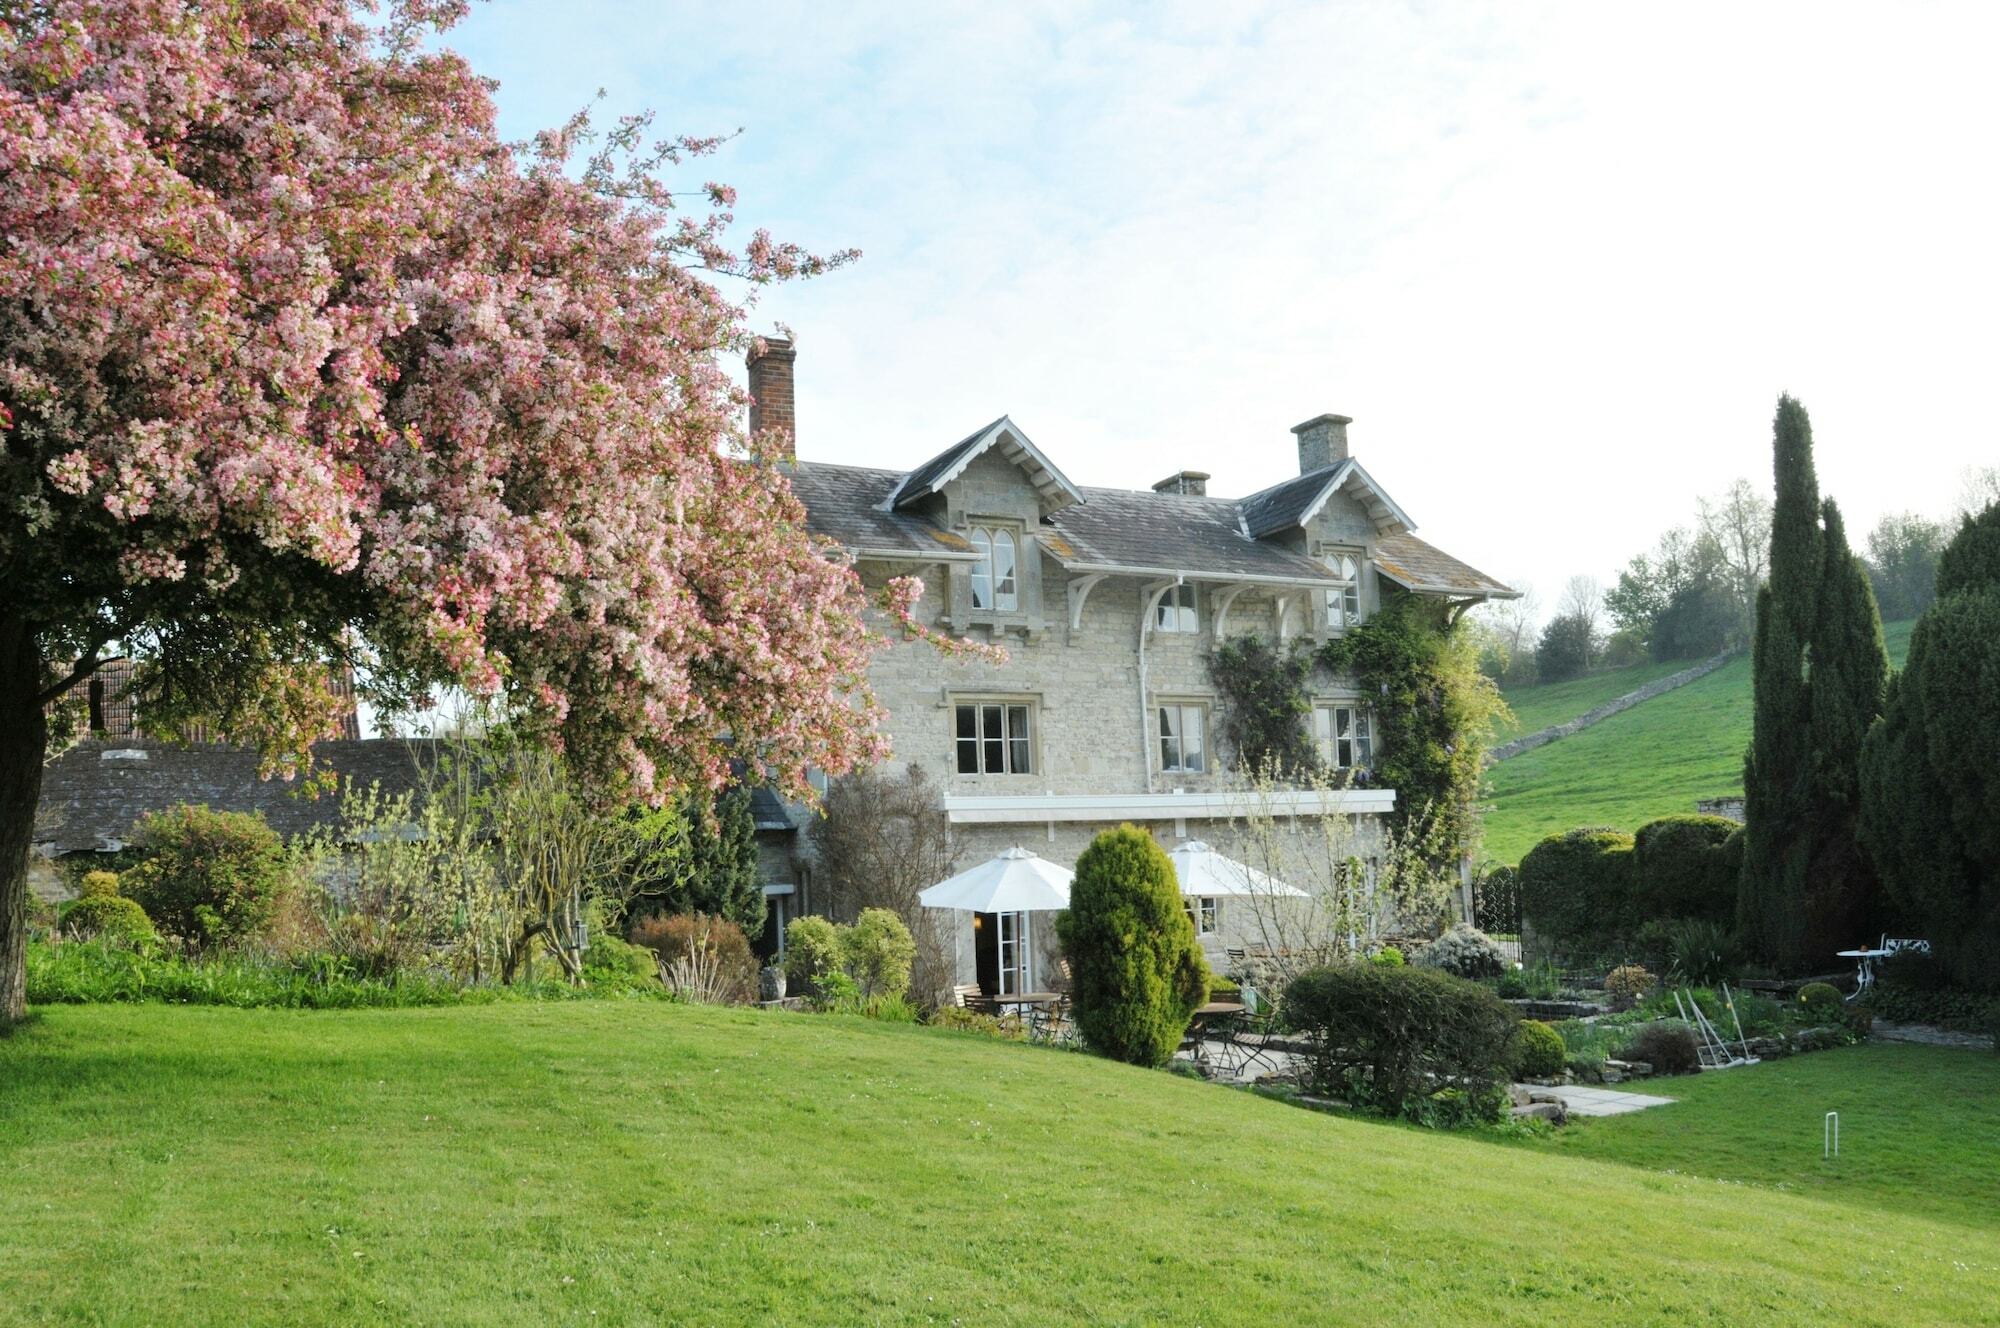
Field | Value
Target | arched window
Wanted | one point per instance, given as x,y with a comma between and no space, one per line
1006,593
982,571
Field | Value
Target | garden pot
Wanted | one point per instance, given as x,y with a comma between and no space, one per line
771,983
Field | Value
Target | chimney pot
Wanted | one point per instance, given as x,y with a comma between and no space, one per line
771,394
1190,483
1322,442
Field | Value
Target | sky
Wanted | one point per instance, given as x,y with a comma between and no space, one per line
1556,261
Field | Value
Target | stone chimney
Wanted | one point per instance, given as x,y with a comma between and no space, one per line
1322,441
1190,483
771,393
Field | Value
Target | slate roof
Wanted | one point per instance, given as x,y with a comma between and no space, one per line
767,809
94,793
1168,532
846,505
925,479
1420,566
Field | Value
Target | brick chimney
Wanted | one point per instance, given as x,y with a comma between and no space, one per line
1191,483
771,393
1322,441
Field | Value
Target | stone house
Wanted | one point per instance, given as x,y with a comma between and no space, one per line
1109,603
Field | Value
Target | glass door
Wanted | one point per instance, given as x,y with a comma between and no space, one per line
1013,954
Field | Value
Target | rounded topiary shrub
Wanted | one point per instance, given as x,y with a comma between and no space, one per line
812,951
1539,1052
1464,952
1822,1003
208,877
1682,867
1138,971
1667,1046
102,913
878,951
1388,1039
1576,889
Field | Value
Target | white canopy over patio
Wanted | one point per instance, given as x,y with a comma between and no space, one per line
1204,873
1016,881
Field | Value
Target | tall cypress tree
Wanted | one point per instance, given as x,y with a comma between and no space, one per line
1819,670
1849,672
1776,772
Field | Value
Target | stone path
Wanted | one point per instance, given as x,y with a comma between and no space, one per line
1932,1037
1581,1100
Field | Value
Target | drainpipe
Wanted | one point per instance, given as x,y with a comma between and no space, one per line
1146,613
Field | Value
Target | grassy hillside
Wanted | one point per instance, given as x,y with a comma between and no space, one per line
1654,759
632,1163
1538,707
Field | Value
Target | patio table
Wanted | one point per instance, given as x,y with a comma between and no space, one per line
1866,961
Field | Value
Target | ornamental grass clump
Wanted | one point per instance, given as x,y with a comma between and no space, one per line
1390,1040
1139,972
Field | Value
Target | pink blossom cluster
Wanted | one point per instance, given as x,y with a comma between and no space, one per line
300,349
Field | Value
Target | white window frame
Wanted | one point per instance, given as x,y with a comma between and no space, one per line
1178,739
1343,601
1203,913
996,577
1359,734
1178,611
1017,755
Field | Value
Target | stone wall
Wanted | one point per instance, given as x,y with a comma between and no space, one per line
1543,737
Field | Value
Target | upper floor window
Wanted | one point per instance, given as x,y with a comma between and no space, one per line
1343,600
1201,912
995,577
995,738
1176,612
1183,730
1345,735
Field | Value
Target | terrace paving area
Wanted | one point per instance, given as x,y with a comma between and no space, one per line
1590,1100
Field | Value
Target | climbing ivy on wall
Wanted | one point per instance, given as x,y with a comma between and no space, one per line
1266,702
1419,673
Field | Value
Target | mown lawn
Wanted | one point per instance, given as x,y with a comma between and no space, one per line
1654,760
609,1163
1919,1130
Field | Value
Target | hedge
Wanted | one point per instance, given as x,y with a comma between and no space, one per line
1577,888
1682,868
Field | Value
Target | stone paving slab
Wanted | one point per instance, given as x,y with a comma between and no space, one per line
1579,1100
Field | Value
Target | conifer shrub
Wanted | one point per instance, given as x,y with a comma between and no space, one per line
1539,1052
210,878
1576,889
1390,1039
1683,868
1138,971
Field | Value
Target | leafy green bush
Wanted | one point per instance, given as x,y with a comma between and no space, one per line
1668,1046
1539,1052
1387,1039
1464,952
812,950
961,1020
611,964
1913,970
97,972
1682,868
1512,986
1960,1010
878,952
1821,1002
1138,970
1576,889
211,878
1388,957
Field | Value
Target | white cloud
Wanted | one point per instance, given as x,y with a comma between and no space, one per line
1557,261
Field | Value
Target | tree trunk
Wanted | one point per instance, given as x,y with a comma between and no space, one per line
23,742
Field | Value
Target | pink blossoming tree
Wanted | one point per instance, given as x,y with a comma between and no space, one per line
301,366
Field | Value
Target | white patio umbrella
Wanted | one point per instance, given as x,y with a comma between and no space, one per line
1204,872
1015,881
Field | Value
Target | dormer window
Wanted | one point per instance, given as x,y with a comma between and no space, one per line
1176,612
995,579
1343,599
